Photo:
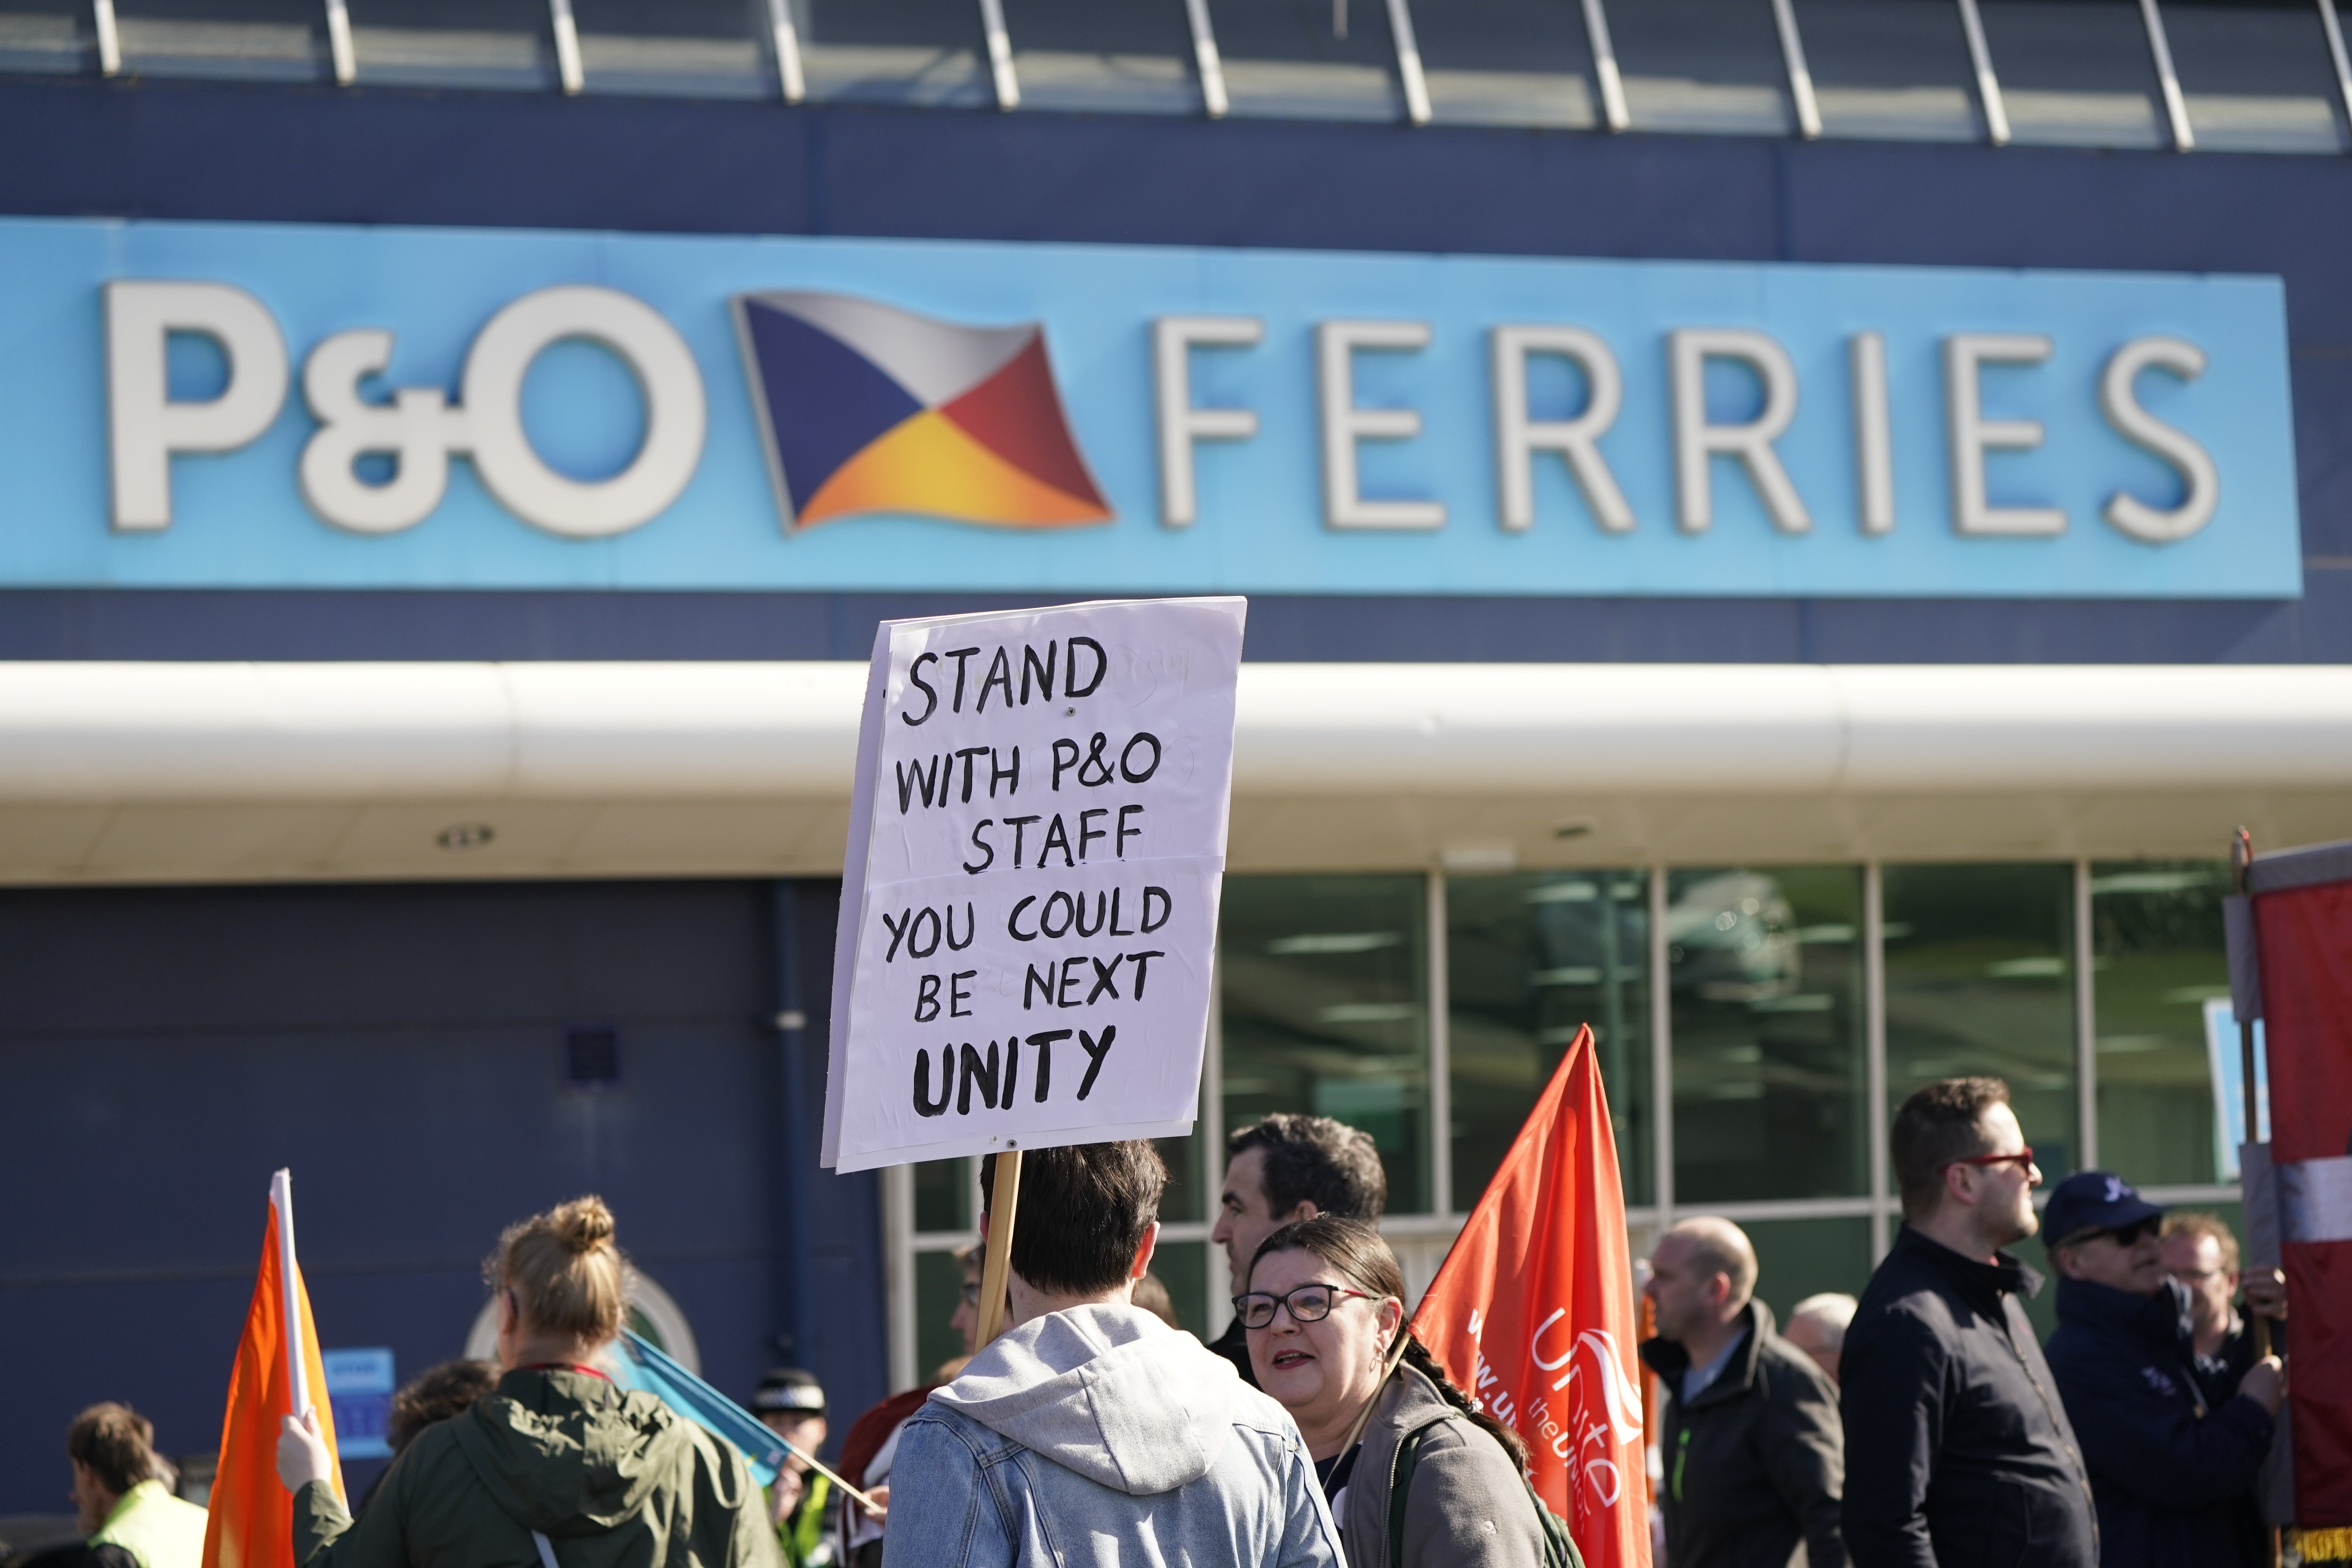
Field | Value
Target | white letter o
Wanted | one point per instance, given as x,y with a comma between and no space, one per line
676,414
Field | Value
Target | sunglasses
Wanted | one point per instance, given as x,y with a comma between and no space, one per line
2123,1235
1306,1304
2022,1160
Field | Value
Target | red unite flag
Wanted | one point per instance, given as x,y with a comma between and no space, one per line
1533,1314
250,1521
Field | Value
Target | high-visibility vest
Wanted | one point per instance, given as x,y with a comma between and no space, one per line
158,1529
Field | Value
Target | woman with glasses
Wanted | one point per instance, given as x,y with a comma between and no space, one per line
1428,1480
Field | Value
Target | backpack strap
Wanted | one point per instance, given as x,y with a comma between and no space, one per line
1408,1458
546,1549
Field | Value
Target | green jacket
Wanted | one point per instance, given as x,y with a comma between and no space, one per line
613,1479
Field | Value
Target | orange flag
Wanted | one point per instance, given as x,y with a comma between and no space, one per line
1533,1313
251,1516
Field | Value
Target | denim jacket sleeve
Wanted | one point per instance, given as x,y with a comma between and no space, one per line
943,1512
1311,1538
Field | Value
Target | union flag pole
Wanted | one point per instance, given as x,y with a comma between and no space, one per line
1532,1313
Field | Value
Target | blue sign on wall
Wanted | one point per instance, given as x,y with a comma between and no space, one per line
360,1386
215,405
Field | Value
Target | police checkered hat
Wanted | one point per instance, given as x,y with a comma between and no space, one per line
788,1390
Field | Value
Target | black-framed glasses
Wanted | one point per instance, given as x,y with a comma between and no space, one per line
1306,1304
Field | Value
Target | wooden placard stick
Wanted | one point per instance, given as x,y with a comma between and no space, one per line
996,1267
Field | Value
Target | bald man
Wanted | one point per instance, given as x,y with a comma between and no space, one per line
1754,1455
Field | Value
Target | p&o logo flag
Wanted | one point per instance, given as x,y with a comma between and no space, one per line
278,1373
867,408
1533,1314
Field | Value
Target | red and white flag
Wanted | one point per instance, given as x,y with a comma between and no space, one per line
1533,1314
2303,920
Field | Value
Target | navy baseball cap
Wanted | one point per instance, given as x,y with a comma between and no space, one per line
2093,1200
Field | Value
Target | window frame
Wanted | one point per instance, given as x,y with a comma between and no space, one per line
1422,1239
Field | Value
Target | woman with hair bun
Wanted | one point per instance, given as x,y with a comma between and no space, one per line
555,1466
1433,1482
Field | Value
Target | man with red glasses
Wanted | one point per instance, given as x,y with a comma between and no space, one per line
1958,1450
2169,1467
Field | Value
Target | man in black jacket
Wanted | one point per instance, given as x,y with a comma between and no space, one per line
1754,1459
2171,1467
1282,1168
1958,1450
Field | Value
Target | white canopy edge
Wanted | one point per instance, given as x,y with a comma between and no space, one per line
202,772
95,733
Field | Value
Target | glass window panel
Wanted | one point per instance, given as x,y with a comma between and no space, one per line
254,41
1114,54
1980,979
1895,69
1800,1257
2257,77
927,52
2074,73
1323,59
49,37
938,1288
943,1196
1506,62
506,44
1702,65
1528,960
702,48
1183,1268
1326,1010
2156,936
1768,1049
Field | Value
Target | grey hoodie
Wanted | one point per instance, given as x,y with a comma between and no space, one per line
1099,1435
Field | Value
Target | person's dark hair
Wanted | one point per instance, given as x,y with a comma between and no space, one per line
1939,1124
1084,1211
434,1395
1358,1251
116,1444
1315,1160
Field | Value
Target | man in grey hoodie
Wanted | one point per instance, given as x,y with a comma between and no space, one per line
1089,1432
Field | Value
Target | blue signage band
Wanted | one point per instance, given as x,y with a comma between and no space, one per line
271,406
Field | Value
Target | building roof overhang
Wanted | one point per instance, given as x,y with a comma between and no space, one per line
196,772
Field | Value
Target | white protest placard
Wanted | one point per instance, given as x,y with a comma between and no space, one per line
1029,901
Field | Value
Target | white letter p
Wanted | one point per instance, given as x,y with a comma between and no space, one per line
144,426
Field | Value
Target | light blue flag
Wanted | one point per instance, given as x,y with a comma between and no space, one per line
639,1365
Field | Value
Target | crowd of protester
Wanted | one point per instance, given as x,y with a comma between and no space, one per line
1923,1424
